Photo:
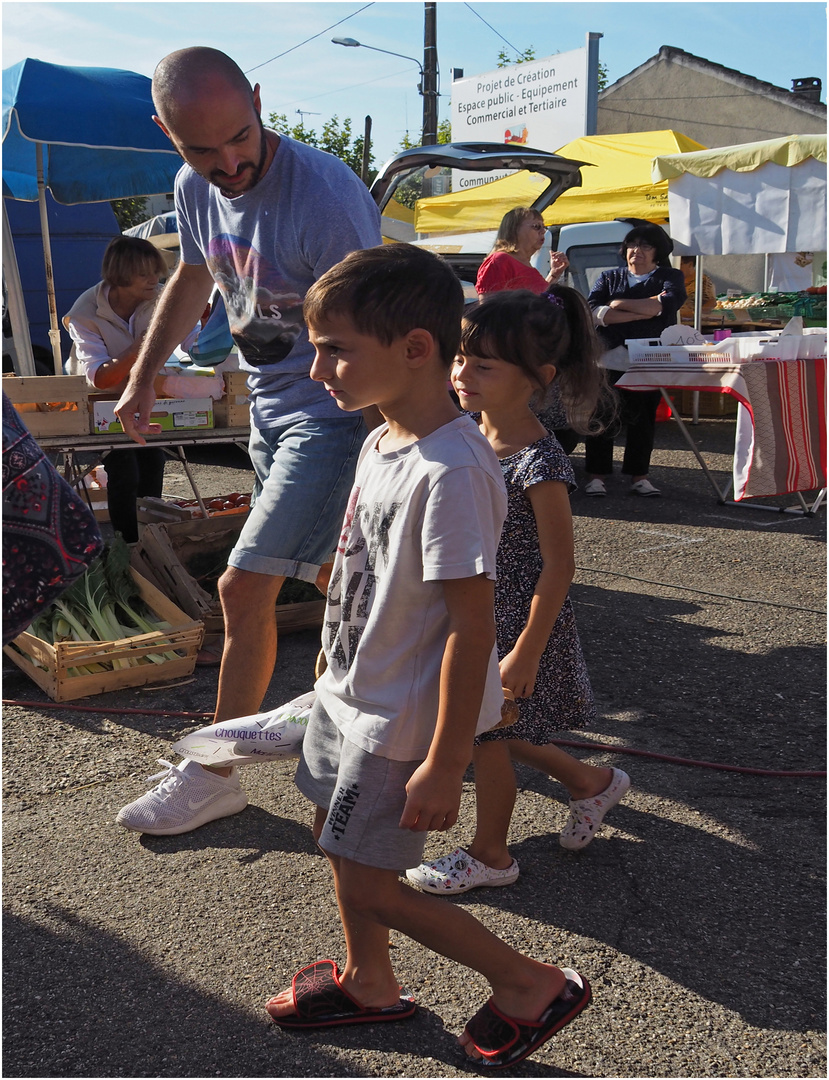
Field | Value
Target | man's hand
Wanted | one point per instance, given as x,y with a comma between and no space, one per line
433,799
139,400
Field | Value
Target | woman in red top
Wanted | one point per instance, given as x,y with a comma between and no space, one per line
520,236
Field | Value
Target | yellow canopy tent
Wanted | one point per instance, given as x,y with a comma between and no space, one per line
620,185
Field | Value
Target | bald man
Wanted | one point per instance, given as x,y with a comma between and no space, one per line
262,217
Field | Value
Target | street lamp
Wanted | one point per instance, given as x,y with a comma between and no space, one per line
429,96
352,43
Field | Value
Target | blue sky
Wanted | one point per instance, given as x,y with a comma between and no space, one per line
287,47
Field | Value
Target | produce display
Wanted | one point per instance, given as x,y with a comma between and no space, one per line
234,503
103,605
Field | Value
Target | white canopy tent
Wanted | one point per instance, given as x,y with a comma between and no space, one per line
757,198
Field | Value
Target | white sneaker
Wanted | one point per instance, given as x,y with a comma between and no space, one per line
187,797
586,815
595,487
459,872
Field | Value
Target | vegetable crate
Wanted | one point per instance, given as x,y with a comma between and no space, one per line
233,410
183,557
48,665
50,404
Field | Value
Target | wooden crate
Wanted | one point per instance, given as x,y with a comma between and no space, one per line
184,638
153,511
709,404
50,404
233,410
164,552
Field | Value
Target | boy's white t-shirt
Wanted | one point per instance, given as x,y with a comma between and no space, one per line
427,513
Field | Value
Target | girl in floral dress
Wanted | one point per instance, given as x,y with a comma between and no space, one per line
513,345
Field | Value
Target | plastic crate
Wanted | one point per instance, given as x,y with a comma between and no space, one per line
652,351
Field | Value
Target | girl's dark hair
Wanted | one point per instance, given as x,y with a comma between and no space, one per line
128,256
654,235
531,330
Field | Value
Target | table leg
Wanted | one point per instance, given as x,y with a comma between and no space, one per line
186,465
695,449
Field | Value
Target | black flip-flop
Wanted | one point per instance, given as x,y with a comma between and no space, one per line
504,1041
320,1001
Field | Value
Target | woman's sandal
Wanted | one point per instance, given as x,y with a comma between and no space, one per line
504,1041
320,1001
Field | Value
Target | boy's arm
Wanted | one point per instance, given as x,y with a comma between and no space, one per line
434,790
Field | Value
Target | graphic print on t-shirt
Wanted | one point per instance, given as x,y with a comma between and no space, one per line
363,552
264,313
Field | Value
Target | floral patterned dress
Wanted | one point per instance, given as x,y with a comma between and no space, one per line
562,698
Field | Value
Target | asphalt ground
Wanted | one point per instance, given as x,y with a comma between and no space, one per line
698,914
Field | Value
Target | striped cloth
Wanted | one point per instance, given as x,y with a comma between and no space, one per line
780,444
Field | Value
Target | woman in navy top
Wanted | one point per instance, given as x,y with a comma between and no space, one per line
636,301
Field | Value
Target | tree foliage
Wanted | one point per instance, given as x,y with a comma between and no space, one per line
504,60
334,138
129,212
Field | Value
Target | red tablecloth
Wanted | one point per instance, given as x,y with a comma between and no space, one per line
780,445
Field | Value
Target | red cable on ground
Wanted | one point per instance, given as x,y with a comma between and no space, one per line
557,742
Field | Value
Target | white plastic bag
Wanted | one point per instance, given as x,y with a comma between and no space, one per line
250,739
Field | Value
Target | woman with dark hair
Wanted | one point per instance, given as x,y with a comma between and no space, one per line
638,300
107,324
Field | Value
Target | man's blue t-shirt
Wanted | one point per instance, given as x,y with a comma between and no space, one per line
265,248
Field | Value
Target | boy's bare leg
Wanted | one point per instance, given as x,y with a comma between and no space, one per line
582,781
376,900
495,800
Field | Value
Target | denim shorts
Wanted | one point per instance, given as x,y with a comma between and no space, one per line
364,795
304,470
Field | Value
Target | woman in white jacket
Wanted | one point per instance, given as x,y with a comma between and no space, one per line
107,325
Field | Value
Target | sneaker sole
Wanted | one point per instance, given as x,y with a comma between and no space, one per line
188,826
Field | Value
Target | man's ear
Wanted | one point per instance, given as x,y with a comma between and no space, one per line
257,100
157,120
420,347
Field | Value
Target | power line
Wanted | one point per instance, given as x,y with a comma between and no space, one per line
313,36
492,28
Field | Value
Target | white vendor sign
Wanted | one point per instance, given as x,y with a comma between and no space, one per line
540,103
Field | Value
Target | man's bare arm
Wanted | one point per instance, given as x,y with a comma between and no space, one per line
182,302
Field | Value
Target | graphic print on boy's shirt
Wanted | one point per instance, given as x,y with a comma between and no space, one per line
264,313
364,540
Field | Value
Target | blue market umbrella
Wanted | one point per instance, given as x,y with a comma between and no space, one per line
86,134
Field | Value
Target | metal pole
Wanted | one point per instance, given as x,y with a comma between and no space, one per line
23,361
591,119
366,151
54,332
429,87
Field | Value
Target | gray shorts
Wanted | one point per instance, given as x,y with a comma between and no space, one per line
365,796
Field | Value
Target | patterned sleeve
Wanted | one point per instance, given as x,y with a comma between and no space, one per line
544,462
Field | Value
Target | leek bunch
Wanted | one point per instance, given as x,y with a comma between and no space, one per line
102,605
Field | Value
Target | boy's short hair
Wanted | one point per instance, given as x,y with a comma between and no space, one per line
128,257
390,290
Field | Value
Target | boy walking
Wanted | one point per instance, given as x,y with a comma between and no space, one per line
412,672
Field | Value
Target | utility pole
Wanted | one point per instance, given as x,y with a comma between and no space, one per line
429,87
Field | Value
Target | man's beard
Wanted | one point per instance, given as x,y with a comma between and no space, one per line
215,178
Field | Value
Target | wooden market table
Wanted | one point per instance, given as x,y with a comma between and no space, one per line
780,440
172,442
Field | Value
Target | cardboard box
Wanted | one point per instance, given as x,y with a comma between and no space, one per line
177,556
50,404
710,404
184,638
233,410
173,414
